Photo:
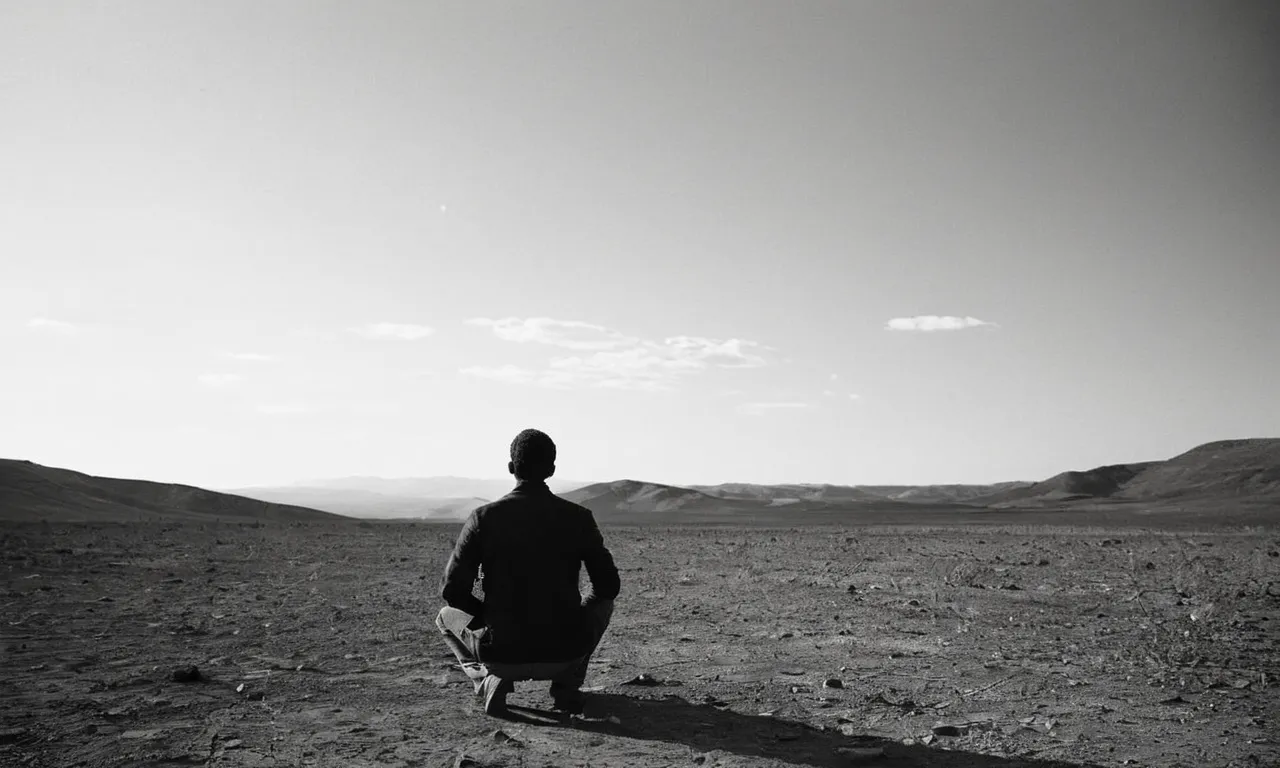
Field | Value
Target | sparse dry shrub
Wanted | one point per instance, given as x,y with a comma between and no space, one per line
966,573
1200,594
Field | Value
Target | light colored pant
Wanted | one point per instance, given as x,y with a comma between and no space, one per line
565,676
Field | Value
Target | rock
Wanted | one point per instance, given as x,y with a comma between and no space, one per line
11,735
187,674
950,730
860,753
141,734
833,682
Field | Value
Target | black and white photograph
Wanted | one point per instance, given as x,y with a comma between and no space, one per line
640,383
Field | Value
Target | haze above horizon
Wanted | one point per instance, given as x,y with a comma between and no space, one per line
908,243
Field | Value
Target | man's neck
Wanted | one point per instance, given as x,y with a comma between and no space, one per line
534,486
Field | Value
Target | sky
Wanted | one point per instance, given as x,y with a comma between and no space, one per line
255,242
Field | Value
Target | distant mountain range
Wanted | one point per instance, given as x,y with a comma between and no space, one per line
1229,471
436,498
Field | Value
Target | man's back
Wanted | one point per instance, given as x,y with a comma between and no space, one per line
531,546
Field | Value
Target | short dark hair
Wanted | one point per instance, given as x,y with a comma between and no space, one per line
533,455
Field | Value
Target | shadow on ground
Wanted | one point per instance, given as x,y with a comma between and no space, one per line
705,728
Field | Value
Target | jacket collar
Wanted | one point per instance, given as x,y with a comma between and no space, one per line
530,487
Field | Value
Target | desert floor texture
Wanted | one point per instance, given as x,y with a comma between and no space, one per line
984,647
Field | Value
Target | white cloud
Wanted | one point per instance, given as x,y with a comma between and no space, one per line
250,357
835,376
616,360
220,380
570,334
730,353
401,331
854,396
283,409
933,323
759,409
52,326
828,393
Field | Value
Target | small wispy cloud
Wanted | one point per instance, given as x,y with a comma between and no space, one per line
284,409
398,331
759,409
934,323
615,360
828,393
53,326
220,380
569,334
250,357
854,396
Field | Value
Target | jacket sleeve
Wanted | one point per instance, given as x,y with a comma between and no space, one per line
462,569
601,569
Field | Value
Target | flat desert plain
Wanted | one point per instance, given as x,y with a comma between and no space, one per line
984,646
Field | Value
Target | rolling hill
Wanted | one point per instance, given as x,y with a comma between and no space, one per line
788,493
941,494
1227,470
33,492
637,496
1099,482
1235,472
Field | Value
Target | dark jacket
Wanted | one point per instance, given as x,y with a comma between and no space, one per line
531,546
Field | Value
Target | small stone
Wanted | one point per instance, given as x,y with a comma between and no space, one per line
187,674
833,682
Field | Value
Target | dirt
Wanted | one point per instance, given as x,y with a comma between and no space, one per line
313,645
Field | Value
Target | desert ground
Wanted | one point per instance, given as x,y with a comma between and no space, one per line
986,646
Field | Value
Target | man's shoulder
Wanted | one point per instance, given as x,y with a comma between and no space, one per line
515,503
571,506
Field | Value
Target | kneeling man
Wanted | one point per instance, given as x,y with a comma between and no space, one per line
528,548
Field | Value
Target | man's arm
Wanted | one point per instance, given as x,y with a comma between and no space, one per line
460,574
601,569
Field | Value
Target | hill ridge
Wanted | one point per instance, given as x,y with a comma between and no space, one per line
33,492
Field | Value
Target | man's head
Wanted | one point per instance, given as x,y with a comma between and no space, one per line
533,456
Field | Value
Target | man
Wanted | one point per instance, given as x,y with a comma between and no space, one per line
528,548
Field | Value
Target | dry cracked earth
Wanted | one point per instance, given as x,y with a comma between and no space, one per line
963,648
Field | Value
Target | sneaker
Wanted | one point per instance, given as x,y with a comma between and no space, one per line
494,690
